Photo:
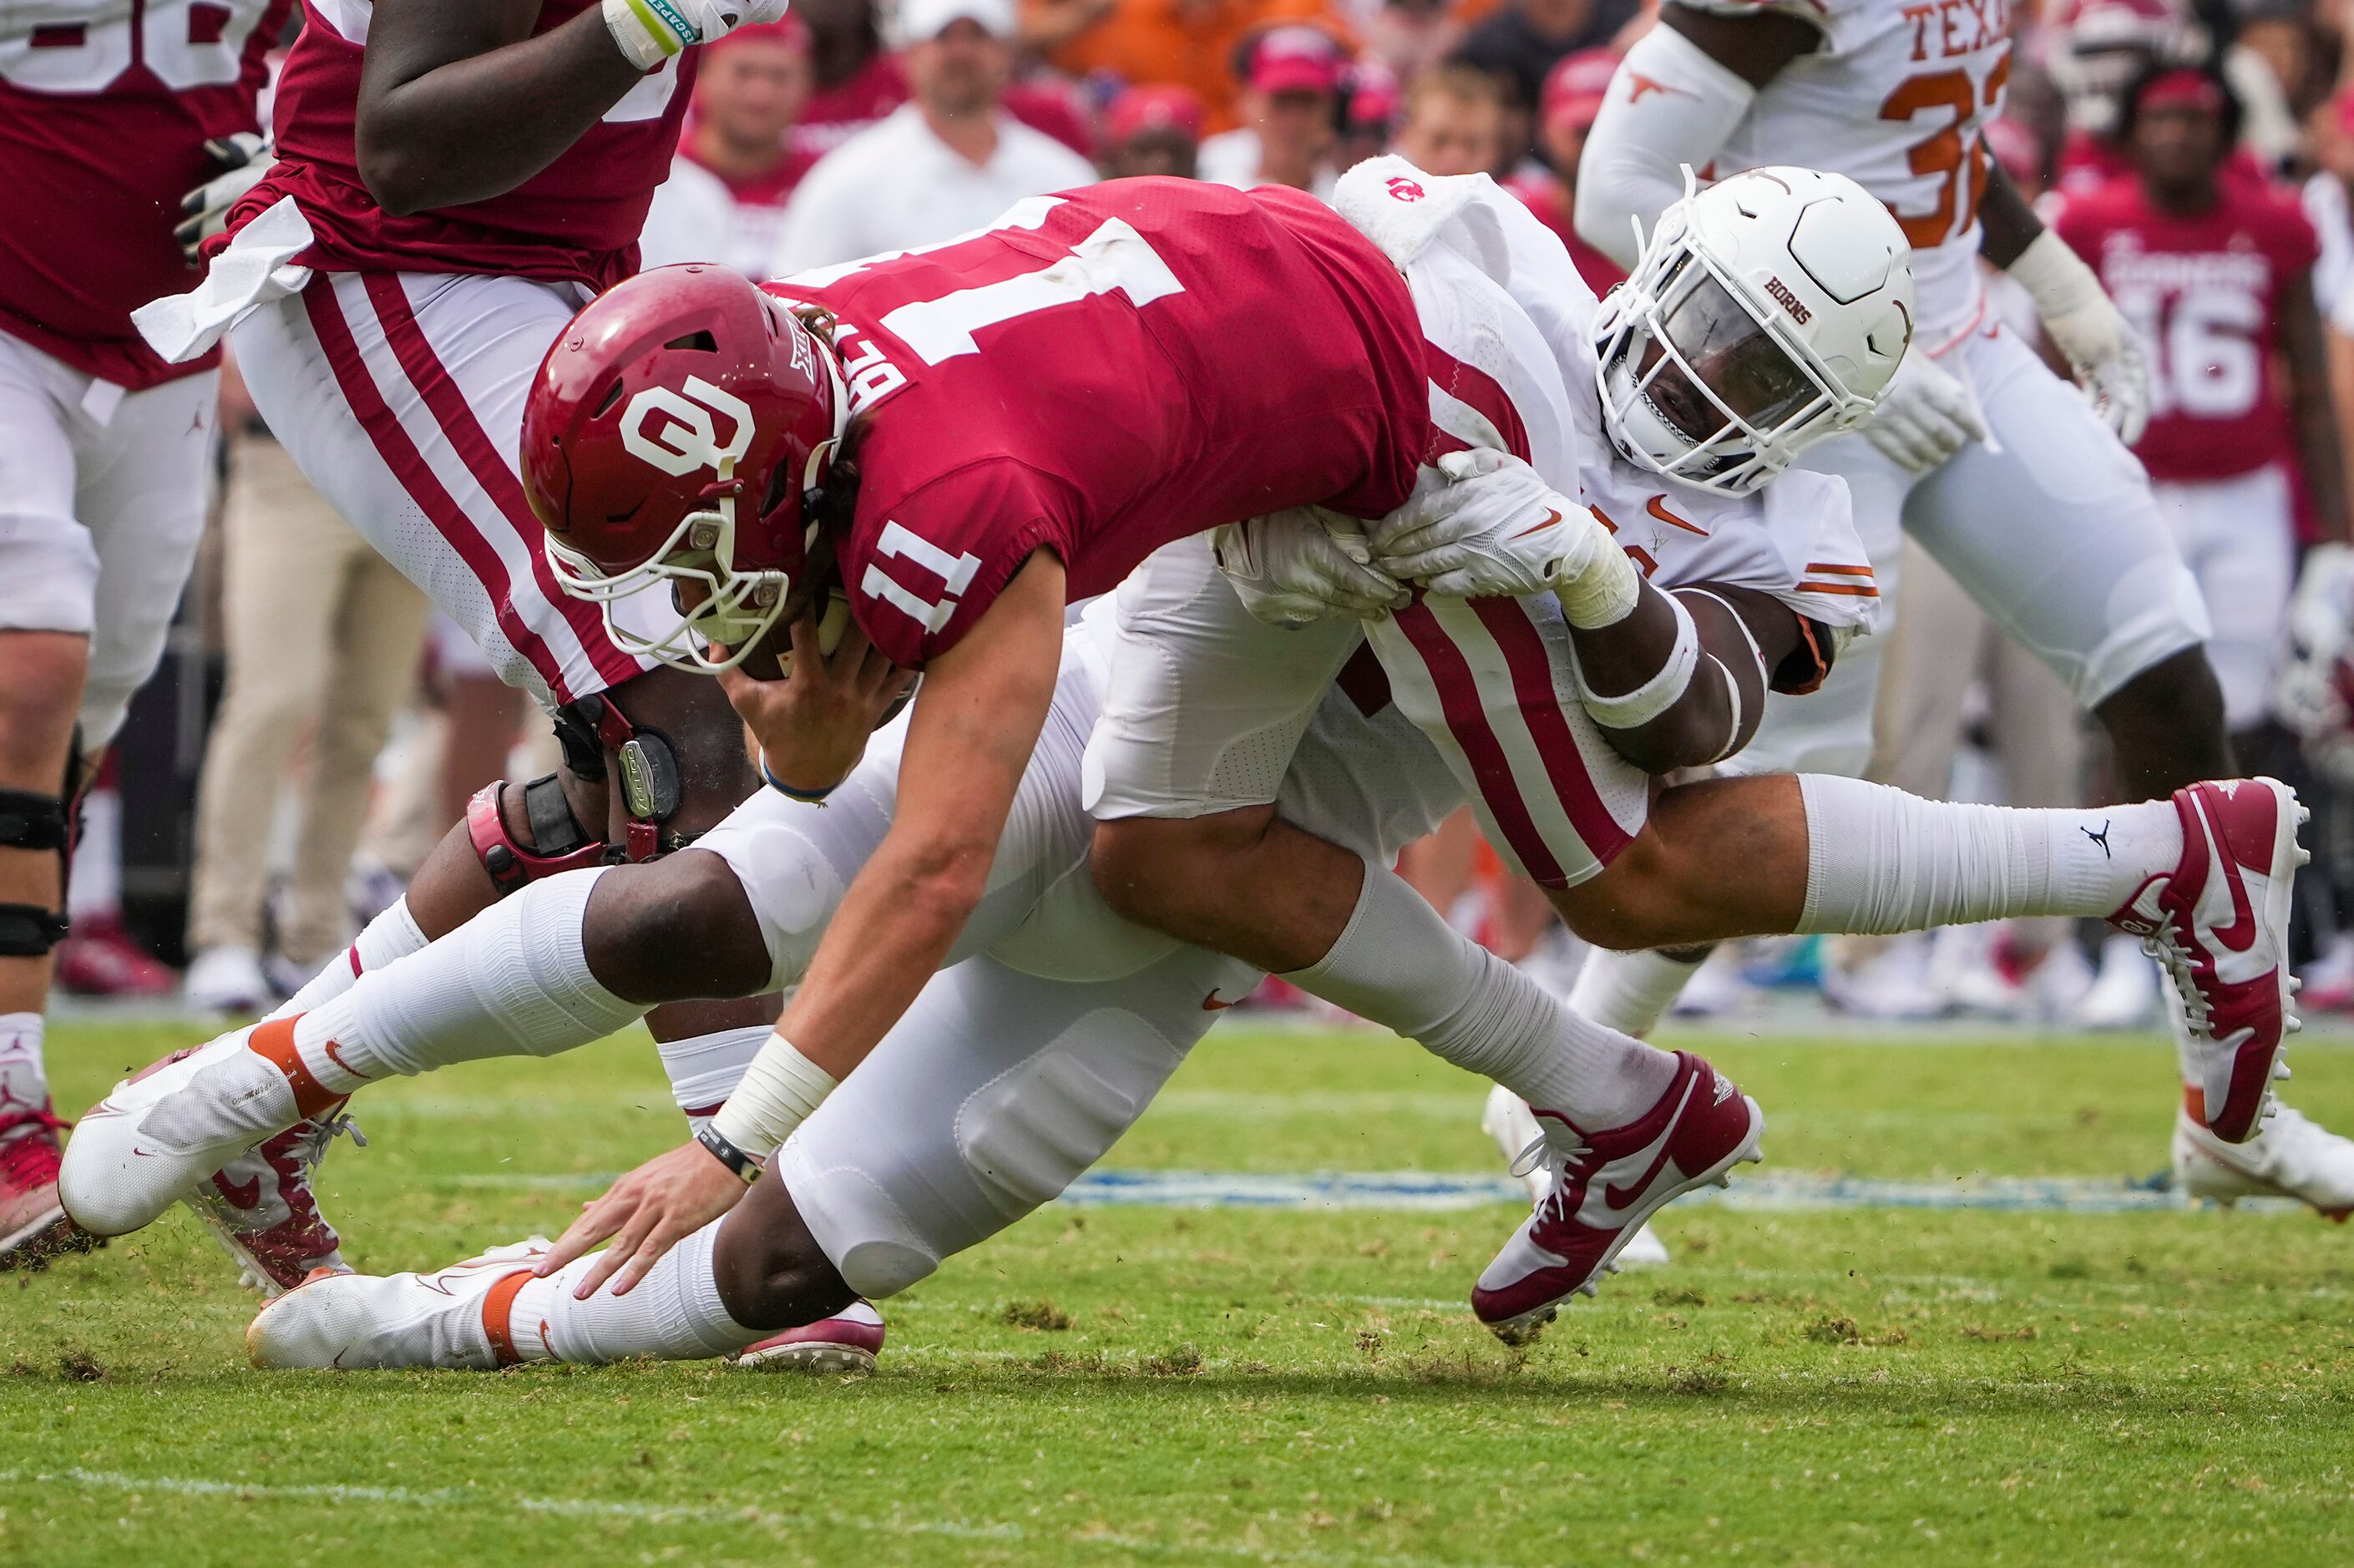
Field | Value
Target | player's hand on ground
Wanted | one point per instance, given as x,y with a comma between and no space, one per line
645,1214
1295,568
242,159
813,725
1494,528
1925,416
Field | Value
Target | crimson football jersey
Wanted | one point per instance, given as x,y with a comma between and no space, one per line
105,106
1108,370
575,220
2204,292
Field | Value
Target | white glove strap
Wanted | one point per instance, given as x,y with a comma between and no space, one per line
649,31
2056,276
1656,695
780,1091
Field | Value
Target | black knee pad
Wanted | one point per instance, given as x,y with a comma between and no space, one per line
31,822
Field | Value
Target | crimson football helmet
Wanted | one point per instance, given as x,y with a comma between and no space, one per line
674,440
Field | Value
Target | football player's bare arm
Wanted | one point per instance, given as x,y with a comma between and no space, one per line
975,723
2310,405
1737,635
459,101
970,737
1679,92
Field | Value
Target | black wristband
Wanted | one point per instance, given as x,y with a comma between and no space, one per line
747,1168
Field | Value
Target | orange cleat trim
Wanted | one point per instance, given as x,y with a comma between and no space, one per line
274,1042
2194,1100
497,1306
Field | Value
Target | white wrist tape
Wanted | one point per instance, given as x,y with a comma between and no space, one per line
778,1092
2054,276
1656,696
649,31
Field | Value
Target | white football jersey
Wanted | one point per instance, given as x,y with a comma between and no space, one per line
1893,98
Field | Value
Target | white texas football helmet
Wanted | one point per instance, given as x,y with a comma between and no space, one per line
1765,313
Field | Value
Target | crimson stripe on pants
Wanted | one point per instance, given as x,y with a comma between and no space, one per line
1530,664
416,476
1466,720
456,416
1480,392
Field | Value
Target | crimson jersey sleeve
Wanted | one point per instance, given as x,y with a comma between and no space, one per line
921,569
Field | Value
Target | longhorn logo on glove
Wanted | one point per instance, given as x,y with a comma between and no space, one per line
689,440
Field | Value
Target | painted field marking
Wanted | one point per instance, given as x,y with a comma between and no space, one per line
1431,1191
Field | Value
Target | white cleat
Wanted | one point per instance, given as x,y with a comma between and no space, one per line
2293,1157
160,1133
1506,1118
455,1317
847,1343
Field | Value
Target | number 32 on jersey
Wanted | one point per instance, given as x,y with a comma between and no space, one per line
1953,153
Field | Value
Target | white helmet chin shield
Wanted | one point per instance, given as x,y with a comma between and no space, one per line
1765,313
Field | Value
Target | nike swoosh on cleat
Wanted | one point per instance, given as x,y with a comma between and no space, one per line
245,1197
2242,933
1619,1199
1210,1003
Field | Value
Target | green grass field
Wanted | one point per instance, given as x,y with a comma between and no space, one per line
1131,1385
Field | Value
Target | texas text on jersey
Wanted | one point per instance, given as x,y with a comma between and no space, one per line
2204,292
104,111
575,220
1893,98
1105,372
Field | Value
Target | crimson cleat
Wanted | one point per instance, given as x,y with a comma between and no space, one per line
99,957
1605,1185
260,1207
33,1225
2218,923
847,1343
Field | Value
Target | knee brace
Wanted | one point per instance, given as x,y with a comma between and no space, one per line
31,822
652,787
559,842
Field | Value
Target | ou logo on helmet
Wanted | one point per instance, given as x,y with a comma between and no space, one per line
688,440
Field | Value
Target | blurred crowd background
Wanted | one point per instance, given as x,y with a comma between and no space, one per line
313,731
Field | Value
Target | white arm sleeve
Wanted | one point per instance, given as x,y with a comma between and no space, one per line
1669,105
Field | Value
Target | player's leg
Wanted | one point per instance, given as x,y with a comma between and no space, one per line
405,395
49,580
1826,731
569,958
993,1092
2050,524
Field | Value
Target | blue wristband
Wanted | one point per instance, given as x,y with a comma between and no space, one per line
807,797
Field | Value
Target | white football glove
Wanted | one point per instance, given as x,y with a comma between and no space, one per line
1925,415
2085,324
1295,567
242,158
1491,528
650,31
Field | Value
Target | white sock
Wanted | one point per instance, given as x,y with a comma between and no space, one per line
1631,991
674,1314
704,1070
24,1082
1398,963
1881,862
512,981
393,934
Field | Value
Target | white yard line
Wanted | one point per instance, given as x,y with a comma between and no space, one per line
673,1513
1427,1190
